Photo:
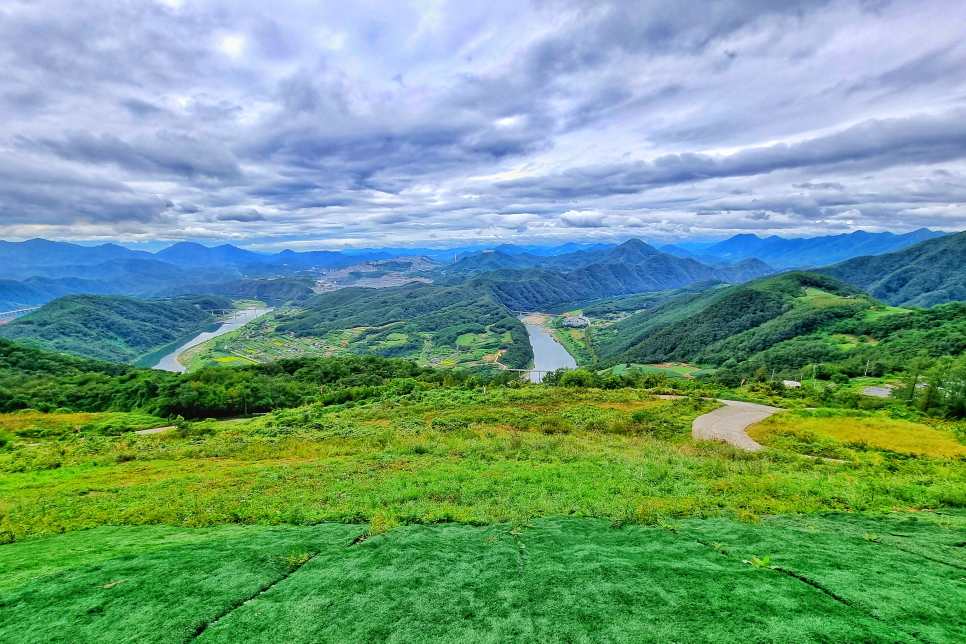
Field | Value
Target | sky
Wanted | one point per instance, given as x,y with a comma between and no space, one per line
316,124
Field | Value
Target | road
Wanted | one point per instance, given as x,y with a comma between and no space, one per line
729,423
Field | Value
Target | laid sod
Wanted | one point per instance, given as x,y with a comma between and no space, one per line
40,557
163,596
554,580
925,598
939,535
560,580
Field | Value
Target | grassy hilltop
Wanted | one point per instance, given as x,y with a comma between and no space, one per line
368,498
430,511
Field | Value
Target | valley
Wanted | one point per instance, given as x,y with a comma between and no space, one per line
376,418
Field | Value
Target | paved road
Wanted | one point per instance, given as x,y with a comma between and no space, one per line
729,423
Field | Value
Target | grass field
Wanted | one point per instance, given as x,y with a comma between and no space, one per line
856,429
39,426
669,370
822,578
509,455
575,342
528,514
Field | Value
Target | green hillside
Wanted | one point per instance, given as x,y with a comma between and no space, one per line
623,270
634,303
734,322
421,316
112,327
284,289
928,273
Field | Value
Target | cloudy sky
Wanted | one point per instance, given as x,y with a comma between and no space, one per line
371,123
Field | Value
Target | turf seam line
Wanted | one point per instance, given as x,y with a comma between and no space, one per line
201,629
841,600
919,554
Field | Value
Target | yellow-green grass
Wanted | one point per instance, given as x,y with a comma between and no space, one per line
37,425
244,304
446,455
575,342
862,428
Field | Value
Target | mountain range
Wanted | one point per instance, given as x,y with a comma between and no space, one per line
632,267
779,252
929,273
38,270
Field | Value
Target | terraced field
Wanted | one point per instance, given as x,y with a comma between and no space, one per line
259,342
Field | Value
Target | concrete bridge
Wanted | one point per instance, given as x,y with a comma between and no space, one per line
17,312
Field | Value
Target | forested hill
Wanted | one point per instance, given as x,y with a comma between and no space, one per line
440,310
285,289
536,290
734,322
112,327
633,252
931,272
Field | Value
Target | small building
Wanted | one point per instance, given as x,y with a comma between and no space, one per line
791,383
574,321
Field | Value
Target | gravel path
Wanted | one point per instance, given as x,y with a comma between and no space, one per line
158,430
729,423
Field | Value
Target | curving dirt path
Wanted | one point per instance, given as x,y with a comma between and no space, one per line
729,423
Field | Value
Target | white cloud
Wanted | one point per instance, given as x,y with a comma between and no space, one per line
232,45
585,219
526,121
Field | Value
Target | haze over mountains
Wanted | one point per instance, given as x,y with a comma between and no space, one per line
529,277
802,253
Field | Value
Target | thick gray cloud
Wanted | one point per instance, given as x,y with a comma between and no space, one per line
351,124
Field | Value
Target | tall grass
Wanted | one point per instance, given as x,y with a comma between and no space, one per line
446,455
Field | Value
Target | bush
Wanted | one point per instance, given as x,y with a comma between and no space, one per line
579,378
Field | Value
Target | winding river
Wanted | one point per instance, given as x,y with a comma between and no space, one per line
548,354
169,361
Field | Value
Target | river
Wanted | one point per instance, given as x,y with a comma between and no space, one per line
548,354
169,362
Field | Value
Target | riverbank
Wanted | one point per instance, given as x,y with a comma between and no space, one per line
169,361
548,353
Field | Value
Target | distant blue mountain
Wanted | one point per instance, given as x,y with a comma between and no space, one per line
15,256
194,254
814,251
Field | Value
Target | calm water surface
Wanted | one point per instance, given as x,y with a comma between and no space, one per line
548,354
170,362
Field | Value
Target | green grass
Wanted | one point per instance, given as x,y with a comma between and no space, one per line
529,514
447,455
575,342
922,597
550,580
622,369
32,559
164,595
29,425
